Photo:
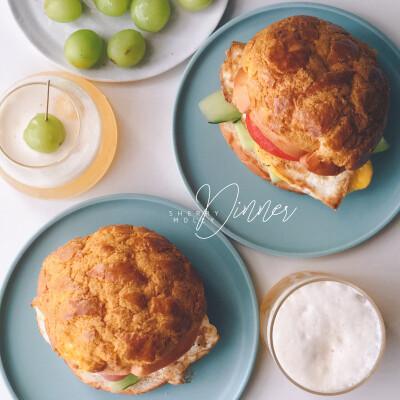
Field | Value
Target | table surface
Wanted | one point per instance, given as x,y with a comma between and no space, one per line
372,265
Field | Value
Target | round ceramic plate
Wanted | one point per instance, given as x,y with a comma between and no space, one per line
166,49
33,371
243,205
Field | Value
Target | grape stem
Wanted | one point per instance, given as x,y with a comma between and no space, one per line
47,101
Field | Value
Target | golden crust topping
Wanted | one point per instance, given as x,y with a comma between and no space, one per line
122,296
318,86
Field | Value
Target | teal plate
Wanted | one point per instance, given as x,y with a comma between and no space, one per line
204,158
34,372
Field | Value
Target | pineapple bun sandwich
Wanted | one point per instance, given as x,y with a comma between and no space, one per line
125,310
304,105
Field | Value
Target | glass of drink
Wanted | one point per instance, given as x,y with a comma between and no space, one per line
325,334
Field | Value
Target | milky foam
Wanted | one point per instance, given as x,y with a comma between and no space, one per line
327,336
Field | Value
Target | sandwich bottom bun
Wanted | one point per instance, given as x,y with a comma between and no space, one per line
173,373
98,382
331,190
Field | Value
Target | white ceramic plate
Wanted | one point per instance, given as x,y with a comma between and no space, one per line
181,37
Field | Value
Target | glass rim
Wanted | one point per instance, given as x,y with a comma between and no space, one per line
283,297
59,161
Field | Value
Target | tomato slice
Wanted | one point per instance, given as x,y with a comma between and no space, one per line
113,378
264,142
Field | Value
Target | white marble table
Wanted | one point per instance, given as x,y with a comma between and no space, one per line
374,265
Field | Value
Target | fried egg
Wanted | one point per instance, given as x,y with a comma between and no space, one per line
331,190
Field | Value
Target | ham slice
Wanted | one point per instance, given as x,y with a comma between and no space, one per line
240,92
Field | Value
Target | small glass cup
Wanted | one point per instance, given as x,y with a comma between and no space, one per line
22,103
89,146
277,296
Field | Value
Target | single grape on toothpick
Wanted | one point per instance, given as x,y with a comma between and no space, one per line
45,133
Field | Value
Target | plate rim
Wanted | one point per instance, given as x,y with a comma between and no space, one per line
184,80
78,72
154,199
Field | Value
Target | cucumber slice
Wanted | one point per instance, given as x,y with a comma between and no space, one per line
245,139
216,109
274,178
120,386
383,145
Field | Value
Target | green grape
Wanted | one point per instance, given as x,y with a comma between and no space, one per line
44,136
63,10
194,5
126,48
83,48
150,15
112,8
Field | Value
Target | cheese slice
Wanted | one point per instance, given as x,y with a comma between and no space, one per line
361,177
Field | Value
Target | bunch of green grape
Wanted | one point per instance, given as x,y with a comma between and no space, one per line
84,48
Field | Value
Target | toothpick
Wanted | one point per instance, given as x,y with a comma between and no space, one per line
47,101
